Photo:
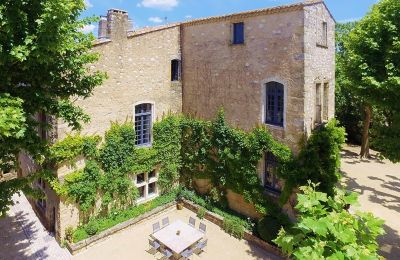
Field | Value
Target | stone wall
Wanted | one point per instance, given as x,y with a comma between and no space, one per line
238,204
319,60
219,74
139,71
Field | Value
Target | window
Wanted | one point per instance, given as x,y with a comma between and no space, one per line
274,103
142,193
42,204
318,105
143,116
140,178
325,102
175,70
238,33
41,184
271,181
152,188
324,35
147,185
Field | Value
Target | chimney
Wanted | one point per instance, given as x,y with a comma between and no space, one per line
115,25
103,27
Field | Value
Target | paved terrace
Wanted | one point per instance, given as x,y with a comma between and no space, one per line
378,183
132,242
22,236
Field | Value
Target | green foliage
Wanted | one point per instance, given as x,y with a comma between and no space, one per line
69,233
167,143
118,149
373,69
233,227
229,158
201,212
319,160
44,60
73,146
325,230
268,227
119,216
92,228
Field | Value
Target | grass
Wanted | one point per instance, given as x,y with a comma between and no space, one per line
117,217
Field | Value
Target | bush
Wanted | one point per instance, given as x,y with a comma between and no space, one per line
268,228
233,227
92,228
201,212
69,233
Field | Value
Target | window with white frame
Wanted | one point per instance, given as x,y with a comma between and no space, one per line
147,185
143,124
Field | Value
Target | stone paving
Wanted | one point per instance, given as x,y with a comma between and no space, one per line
378,183
22,236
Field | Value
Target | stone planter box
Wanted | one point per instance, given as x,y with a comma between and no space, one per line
81,245
218,220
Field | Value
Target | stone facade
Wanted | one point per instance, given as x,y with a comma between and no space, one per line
282,44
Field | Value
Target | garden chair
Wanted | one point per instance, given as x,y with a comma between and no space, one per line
187,253
154,246
166,254
199,248
202,227
165,221
156,227
192,222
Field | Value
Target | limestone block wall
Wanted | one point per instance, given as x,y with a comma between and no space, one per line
218,74
139,70
319,60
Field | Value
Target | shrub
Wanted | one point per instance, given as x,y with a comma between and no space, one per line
92,228
69,232
201,212
325,230
233,227
268,228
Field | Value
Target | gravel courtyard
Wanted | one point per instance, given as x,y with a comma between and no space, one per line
378,183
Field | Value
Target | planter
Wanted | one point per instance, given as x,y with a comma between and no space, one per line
179,206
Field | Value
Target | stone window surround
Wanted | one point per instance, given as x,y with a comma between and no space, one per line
146,184
323,41
153,117
264,101
322,84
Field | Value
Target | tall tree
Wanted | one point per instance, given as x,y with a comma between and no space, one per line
44,64
373,68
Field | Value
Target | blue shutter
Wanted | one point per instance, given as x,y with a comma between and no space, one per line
238,33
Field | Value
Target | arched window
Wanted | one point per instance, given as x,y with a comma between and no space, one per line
274,103
271,180
143,118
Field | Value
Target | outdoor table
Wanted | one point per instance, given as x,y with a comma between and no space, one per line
178,236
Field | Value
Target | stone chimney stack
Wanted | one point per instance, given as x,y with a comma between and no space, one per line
103,27
115,25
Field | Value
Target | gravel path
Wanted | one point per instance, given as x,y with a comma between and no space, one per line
378,183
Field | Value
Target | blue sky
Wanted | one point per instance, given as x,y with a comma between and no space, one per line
156,12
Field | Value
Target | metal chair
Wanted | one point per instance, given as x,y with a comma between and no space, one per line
202,227
199,248
192,222
187,253
166,254
165,221
154,246
156,227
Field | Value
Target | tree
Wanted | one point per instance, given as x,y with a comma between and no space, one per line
325,230
44,60
372,52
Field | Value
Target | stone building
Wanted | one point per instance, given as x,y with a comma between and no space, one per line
273,66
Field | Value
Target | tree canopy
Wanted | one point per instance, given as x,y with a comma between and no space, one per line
372,66
44,66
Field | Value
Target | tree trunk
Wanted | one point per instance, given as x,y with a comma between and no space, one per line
365,137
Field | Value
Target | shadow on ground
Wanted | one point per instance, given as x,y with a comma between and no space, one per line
15,238
377,183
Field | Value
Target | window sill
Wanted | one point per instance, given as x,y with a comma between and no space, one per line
143,145
278,127
322,45
237,44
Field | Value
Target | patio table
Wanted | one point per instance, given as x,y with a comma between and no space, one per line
178,236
